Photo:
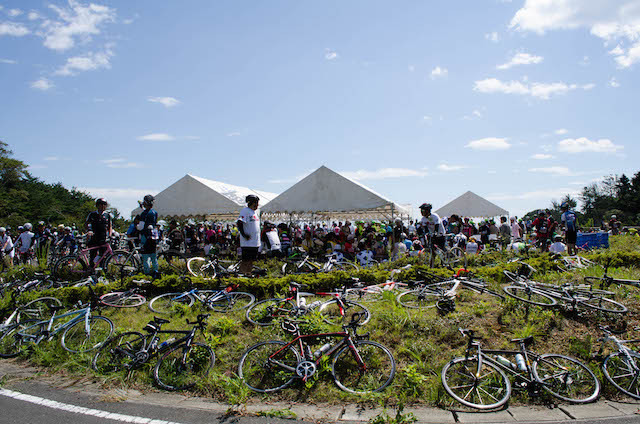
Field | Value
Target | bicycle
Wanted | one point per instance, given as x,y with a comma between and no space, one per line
479,378
82,333
182,361
125,299
606,280
335,311
212,267
306,265
621,368
39,308
358,365
449,257
222,300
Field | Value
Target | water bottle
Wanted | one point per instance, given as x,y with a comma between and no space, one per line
522,366
504,361
303,302
166,343
315,304
318,353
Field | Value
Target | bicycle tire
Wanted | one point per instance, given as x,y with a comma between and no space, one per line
331,312
268,311
11,344
182,366
39,308
529,295
76,340
176,261
624,376
164,304
70,268
233,301
121,264
603,304
566,378
596,280
345,266
201,267
122,299
264,375
418,299
118,353
457,258
462,381
377,373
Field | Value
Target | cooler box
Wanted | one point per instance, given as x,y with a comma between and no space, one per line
593,240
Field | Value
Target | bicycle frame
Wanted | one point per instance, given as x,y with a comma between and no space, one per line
80,314
82,254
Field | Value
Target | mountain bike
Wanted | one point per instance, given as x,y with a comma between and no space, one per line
222,300
335,311
479,378
182,361
358,365
622,367
307,265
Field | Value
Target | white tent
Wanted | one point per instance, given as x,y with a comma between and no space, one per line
325,194
472,205
196,196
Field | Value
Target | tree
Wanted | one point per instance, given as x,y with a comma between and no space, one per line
11,170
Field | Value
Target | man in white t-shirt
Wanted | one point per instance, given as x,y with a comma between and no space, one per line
249,228
6,245
557,246
432,225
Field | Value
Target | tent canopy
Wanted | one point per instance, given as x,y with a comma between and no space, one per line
325,193
196,196
470,204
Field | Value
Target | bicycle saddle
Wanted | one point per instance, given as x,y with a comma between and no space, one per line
160,320
527,340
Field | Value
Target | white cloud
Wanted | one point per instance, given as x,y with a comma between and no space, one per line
52,158
123,199
521,59
32,16
411,68
585,61
554,170
542,156
9,61
156,137
609,20
583,144
120,163
385,173
561,131
613,82
42,84
450,168
14,12
492,36
90,62
539,90
234,134
490,143
439,72
330,54
165,101
13,29
76,21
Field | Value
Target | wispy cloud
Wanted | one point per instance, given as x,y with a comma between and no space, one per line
552,193
439,72
554,170
542,156
489,143
90,62
165,101
583,144
234,134
450,168
13,29
14,12
492,36
33,15
613,83
52,158
121,163
330,54
42,84
75,21
384,173
539,90
521,59
156,137
9,61
561,131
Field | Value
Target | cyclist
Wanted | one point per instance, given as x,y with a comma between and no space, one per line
432,226
614,225
570,221
272,246
557,246
249,228
98,224
149,235
541,224
6,248
25,243
67,241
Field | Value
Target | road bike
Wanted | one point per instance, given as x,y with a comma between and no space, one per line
336,311
182,360
447,257
212,267
37,309
124,299
479,378
358,365
307,265
622,367
606,280
221,300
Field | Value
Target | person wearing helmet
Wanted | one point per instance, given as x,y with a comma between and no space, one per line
6,248
249,228
25,242
557,246
569,220
67,242
432,228
148,227
542,224
98,226
614,225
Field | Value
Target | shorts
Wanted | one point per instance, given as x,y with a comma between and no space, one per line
439,241
249,253
571,236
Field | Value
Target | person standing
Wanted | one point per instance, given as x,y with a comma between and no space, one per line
149,236
570,222
249,228
98,224
516,229
6,246
505,232
432,224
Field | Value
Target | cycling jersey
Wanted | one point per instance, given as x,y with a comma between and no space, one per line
100,225
570,220
25,239
433,224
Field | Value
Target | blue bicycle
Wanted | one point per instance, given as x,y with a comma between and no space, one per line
222,300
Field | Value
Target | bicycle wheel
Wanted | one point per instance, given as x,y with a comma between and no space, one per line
168,302
602,304
70,268
268,311
77,338
12,341
623,372
181,367
566,378
122,299
487,388
118,353
341,313
121,264
529,295
267,367
344,266
457,258
39,308
227,302
176,261
418,299
372,375
201,267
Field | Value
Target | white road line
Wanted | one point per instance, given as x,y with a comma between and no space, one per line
81,410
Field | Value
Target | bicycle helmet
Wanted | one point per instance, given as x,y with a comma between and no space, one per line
3,230
564,206
426,206
148,199
101,201
613,217
28,226
251,198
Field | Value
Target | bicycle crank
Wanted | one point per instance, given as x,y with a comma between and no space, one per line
305,369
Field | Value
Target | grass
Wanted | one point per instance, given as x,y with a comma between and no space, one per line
421,341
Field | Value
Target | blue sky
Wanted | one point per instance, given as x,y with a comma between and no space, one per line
518,101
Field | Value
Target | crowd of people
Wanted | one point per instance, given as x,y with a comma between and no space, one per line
362,241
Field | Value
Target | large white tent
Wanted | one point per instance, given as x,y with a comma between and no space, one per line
325,194
193,196
472,205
